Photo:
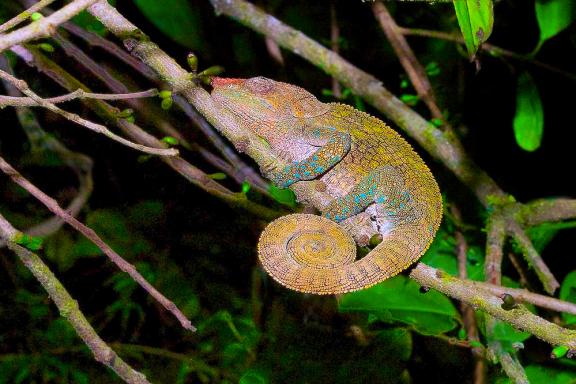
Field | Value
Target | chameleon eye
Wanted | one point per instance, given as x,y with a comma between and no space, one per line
259,84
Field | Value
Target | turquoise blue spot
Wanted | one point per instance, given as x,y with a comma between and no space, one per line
319,169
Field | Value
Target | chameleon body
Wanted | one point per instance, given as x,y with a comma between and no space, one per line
360,161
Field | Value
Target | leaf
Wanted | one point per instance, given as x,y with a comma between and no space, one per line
399,299
542,234
475,18
252,376
90,23
176,19
568,293
553,16
283,196
529,117
538,374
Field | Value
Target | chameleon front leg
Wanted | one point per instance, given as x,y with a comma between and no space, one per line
334,145
384,185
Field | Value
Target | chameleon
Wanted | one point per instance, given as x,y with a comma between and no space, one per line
361,164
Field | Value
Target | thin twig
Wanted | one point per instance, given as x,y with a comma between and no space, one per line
494,248
25,15
533,257
23,87
68,307
410,63
45,26
468,314
523,295
487,47
53,206
335,45
16,101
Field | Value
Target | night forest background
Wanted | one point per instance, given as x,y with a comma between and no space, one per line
512,109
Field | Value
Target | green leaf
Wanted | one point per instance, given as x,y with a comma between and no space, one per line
542,234
283,196
33,243
399,300
252,376
90,23
529,117
568,293
175,18
538,374
475,18
553,16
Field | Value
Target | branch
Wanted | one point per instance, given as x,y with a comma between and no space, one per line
45,26
23,87
68,307
408,59
468,292
543,210
53,206
18,101
533,257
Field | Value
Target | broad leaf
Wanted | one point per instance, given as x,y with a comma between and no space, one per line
475,18
568,293
542,234
283,196
399,300
553,16
529,117
175,18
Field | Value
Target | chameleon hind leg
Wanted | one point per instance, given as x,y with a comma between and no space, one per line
384,185
334,145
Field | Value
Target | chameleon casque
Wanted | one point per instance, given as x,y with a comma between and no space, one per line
362,164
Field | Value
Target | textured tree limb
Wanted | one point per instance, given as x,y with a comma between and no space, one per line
533,257
53,206
45,26
178,79
68,307
544,210
468,292
493,274
468,314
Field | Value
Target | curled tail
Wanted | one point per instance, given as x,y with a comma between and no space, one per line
312,254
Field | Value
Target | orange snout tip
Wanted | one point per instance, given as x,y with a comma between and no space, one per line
220,81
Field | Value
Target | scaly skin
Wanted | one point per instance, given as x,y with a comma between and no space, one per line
361,161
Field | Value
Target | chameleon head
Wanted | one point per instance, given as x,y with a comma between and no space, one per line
262,99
